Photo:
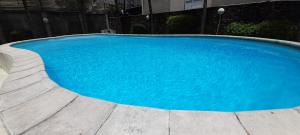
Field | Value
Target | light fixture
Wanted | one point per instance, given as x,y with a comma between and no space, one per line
221,11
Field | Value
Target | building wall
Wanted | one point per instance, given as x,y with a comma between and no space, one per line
161,6
217,3
158,6
176,5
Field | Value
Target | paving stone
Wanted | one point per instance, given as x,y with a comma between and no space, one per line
20,83
22,74
9,100
128,120
277,122
83,117
25,62
20,118
204,123
25,67
22,54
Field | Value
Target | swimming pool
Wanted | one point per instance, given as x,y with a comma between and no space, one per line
175,72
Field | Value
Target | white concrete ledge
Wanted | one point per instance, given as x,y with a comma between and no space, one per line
31,104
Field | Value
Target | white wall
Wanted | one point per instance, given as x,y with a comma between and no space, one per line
160,6
176,5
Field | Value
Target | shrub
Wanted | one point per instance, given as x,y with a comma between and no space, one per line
138,29
278,30
268,29
182,24
241,29
20,34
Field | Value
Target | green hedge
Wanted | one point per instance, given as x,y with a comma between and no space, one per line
138,29
278,30
182,24
268,29
241,29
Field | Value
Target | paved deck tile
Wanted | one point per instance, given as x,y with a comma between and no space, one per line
26,73
28,66
277,122
128,120
84,116
20,83
9,100
204,123
20,118
26,62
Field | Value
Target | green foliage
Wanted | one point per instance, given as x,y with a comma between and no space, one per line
278,29
138,29
268,29
241,29
182,24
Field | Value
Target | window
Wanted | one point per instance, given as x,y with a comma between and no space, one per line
193,4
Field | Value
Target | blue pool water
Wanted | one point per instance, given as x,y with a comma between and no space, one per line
178,73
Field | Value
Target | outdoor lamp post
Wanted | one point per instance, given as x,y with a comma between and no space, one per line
122,20
221,11
47,26
147,17
45,20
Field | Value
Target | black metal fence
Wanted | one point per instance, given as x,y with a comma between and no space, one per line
18,25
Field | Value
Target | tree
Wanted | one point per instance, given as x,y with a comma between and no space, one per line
204,13
116,7
150,15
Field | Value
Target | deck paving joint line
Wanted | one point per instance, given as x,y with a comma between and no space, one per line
4,125
102,124
69,103
26,69
242,125
26,75
23,87
34,97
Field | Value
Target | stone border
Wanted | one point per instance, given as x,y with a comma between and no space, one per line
31,103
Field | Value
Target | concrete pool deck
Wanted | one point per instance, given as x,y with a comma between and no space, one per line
31,103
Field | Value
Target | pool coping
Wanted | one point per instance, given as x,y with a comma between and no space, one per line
28,92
